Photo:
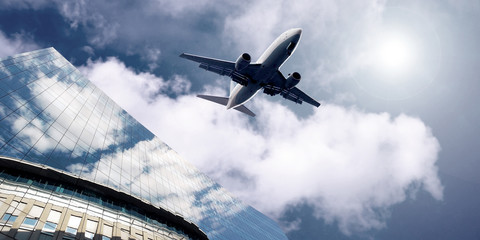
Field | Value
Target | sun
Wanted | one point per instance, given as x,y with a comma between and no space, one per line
398,55
394,53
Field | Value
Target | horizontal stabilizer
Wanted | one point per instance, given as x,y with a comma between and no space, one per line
224,101
215,99
245,110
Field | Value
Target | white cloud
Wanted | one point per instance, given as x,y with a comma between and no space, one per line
319,19
95,17
351,166
127,82
152,55
19,43
89,50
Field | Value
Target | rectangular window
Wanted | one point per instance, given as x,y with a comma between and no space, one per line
49,227
16,208
107,231
54,216
29,222
35,212
89,235
23,234
8,218
44,236
90,229
73,224
71,231
91,226
74,221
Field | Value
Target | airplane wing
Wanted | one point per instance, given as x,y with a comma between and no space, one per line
294,94
211,64
222,67
299,96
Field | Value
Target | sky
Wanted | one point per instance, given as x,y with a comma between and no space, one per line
390,154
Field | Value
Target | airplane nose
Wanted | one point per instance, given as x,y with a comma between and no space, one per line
297,31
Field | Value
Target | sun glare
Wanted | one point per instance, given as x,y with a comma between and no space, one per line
399,55
394,53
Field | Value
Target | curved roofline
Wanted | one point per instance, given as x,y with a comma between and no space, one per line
50,173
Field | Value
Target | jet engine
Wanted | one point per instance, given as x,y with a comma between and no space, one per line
242,62
292,80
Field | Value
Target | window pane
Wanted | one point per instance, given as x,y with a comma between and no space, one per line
19,209
35,212
54,216
89,235
74,221
107,231
29,222
44,236
49,227
72,231
91,226
13,206
8,218
23,234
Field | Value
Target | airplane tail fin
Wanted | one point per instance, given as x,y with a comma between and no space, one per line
224,101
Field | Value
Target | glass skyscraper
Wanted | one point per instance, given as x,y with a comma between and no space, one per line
73,164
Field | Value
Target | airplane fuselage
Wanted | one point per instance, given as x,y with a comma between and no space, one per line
271,60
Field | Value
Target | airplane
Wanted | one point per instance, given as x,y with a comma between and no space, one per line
249,78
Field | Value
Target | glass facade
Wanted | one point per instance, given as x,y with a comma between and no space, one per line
53,116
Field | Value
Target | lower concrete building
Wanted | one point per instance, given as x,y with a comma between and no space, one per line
39,202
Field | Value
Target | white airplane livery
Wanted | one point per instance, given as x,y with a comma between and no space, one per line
249,78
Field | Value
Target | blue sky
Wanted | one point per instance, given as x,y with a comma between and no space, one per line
392,153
